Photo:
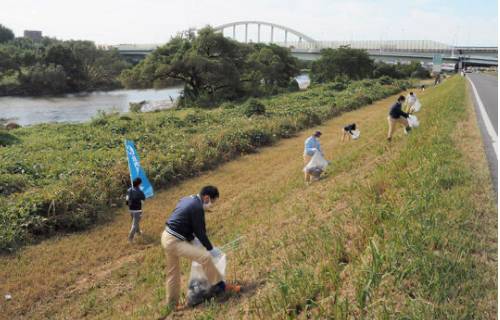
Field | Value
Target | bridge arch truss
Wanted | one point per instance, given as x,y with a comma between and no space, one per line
273,26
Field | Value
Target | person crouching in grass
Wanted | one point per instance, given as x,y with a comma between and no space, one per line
134,199
397,115
186,222
347,131
311,145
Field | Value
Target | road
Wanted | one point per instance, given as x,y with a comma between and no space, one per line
485,92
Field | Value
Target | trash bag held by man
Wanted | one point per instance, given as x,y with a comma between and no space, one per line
317,165
199,289
413,121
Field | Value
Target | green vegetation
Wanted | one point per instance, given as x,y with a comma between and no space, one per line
52,66
5,34
73,173
405,230
344,61
354,64
400,71
214,69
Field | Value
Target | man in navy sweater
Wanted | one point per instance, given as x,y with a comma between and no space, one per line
397,115
186,222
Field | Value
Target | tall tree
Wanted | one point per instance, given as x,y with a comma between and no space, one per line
214,68
5,34
344,61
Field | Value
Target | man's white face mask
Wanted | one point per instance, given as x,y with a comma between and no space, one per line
207,205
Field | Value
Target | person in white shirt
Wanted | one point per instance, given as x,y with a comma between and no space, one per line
411,99
311,146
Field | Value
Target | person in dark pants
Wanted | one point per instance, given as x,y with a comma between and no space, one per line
187,221
397,115
134,199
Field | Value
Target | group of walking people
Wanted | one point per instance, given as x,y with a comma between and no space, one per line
397,116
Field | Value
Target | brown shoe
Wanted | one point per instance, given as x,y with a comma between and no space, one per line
233,288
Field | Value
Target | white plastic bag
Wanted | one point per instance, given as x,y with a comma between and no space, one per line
317,164
416,106
413,121
355,134
198,285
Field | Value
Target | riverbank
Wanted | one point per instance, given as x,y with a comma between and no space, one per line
71,174
399,230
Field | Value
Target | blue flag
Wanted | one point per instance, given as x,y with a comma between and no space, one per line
136,170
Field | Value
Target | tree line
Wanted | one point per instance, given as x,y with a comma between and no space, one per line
52,66
213,68
210,67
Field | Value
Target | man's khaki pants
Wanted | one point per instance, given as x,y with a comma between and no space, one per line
307,176
174,249
393,122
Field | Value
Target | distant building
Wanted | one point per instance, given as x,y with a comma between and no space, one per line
33,35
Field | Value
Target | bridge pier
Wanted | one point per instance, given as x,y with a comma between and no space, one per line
286,36
272,33
234,32
246,32
258,33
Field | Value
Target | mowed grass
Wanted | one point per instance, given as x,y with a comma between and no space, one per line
402,230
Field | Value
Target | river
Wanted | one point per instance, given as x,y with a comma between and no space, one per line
83,106
77,107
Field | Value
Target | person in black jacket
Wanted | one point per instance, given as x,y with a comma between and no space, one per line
134,199
397,115
347,131
186,222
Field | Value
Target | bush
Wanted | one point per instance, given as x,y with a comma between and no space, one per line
136,106
228,106
337,86
11,183
7,139
125,118
254,107
12,126
421,73
293,86
101,119
385,80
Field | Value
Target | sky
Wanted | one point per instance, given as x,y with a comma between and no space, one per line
454,22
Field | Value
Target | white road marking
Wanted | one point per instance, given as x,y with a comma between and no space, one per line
486,119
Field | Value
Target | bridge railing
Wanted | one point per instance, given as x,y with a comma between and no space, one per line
393,46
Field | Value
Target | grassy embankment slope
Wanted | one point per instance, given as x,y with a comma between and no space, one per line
65,177
400,230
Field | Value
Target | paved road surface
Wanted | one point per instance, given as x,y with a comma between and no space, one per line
487,89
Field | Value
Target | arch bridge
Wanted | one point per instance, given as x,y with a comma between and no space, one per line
302,37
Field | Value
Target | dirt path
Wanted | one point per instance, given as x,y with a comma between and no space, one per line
69,277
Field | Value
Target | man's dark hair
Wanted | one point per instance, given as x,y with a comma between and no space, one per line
137,181
317,134
401,98
210,191
411,92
